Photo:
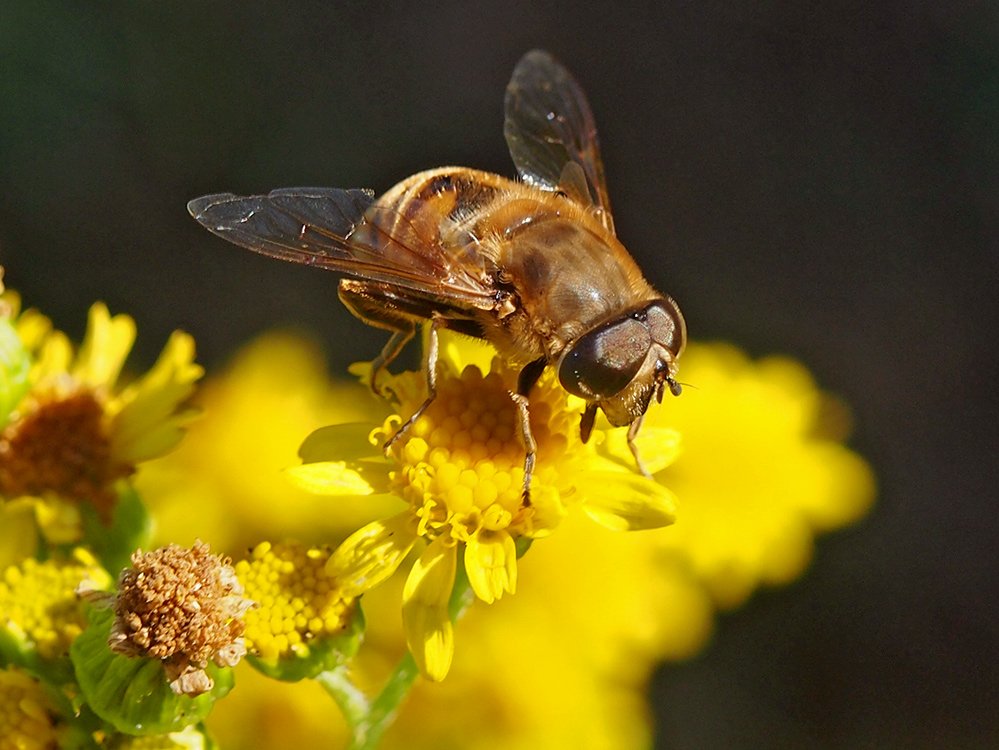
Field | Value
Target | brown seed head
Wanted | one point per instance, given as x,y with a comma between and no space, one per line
59,444
184,607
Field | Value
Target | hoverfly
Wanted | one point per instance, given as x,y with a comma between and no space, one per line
534,267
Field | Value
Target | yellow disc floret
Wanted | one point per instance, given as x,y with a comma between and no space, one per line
297,601
461,464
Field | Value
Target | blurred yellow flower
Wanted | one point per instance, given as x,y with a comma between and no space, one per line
26,714
77,430
762,470
460,470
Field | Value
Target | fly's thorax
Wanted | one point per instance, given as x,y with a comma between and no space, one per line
568,274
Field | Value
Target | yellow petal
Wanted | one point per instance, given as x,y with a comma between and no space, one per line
371,554
148,421
658,447
328,478
106,344
461,351
58,521
491,564
53,357
33,328
625,501
425,617
339,478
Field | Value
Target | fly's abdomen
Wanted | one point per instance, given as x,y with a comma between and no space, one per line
434,213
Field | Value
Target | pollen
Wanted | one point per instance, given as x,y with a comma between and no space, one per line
38,602
461,464
26,713
59,445
184,607
298,602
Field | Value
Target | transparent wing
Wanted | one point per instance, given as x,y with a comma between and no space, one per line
344,231
551,133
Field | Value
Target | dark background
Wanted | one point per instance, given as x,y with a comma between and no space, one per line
810,178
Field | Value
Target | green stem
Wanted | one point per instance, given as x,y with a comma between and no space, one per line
352,702
369,728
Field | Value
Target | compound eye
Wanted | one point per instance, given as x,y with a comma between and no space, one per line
604,361
666,325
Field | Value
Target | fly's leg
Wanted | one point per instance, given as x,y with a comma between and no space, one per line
525,382
632,434
389,352
376,306
431,371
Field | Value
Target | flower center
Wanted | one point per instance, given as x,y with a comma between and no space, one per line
461,464
297,601
60,446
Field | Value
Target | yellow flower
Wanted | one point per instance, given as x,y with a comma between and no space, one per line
459,469
77,431
762,470
26,713
298,603
39,605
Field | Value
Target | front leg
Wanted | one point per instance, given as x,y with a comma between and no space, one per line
525,382
633,429
430,368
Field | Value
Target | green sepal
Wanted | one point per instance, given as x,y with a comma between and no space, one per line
133,694
15,364
326,653
522,544
130,529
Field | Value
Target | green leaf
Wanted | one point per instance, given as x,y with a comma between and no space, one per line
133,694
15,364
324,654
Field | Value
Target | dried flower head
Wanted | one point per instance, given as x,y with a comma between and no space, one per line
184,607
